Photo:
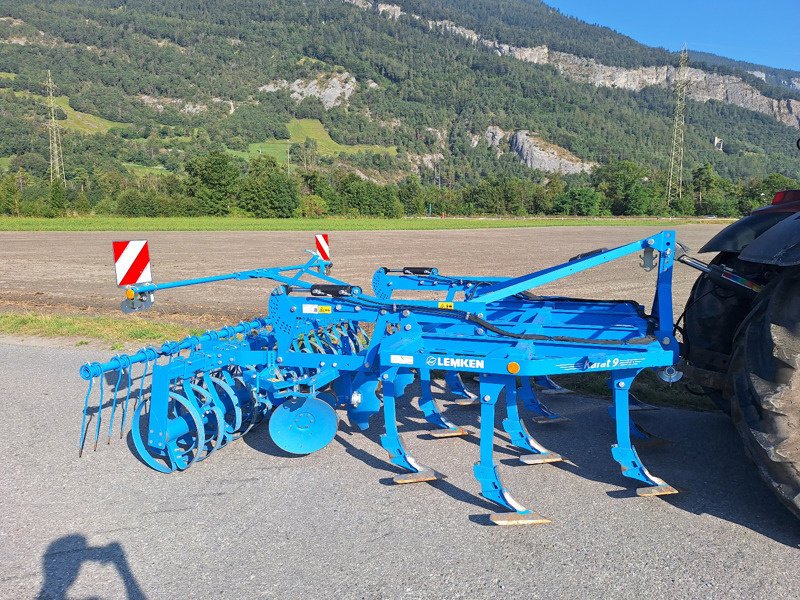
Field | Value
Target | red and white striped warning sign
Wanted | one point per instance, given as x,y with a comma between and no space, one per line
132,262
323,248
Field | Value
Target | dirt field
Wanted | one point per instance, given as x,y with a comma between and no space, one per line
73,272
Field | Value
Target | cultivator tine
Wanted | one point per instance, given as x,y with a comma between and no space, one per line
393,443
531,402
549,386
623,451
456,386
518,433
486,470
430,409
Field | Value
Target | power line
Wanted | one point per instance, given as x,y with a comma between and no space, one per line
675,181
54,130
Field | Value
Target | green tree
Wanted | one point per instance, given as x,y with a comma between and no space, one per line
713,194
625,184
410,194
313,206
58,199
136,203
582,202
81,205
212,180
267,192
10,197
760,190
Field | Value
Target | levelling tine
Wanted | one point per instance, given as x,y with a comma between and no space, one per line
141,383
113,405
82,441
127,398
99,414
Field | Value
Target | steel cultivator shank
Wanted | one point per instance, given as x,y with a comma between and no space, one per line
326,346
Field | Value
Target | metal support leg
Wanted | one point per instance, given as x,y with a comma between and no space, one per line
456,386
432,412
532,403
486,471
623,452
391,440
520,438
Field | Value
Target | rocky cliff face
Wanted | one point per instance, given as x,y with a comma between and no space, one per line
332,90
493,136
703,85
538,154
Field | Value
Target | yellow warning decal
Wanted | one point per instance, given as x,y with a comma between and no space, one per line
447,305
316,309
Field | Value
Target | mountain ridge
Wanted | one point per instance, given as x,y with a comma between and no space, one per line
178,72
703,86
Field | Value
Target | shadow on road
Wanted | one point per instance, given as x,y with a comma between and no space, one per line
64,557
703,459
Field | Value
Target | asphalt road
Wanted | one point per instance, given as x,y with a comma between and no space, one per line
250,522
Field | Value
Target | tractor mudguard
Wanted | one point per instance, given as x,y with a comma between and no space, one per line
780,245
741,233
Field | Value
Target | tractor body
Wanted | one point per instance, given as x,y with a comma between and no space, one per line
741,343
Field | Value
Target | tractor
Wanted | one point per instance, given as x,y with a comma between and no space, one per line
741,336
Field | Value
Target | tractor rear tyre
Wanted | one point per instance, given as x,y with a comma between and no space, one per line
711,318
764,379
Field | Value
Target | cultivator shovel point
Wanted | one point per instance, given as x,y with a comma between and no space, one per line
327,346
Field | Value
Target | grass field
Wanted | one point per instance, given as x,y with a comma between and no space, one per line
76,120
299,130
329,224
115,330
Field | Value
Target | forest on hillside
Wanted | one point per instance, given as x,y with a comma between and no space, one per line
154,87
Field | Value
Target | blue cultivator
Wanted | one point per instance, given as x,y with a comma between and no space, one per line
326,345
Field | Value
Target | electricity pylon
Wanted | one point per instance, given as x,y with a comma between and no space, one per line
675,182
56,157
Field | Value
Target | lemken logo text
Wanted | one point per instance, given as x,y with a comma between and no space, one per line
458,363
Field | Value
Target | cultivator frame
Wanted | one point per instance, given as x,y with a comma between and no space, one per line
325,344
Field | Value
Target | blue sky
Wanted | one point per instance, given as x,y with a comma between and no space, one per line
766,33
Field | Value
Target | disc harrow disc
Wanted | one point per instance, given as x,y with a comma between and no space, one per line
303,426
213,420
180,452
233,411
